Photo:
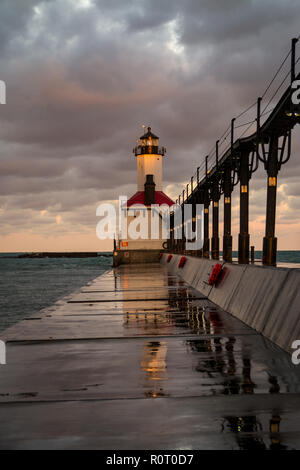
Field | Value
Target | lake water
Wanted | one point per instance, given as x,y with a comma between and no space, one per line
27,285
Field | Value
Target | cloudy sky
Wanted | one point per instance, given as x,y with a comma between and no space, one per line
83,76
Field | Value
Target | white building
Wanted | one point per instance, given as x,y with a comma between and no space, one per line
149,191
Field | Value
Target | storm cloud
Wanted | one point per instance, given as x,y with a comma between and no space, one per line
83,76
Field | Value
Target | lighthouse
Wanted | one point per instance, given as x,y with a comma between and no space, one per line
145,206
149,160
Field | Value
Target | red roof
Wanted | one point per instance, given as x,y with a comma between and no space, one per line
160,198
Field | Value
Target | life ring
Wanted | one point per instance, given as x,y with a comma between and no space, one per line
165,245
182,262
215,274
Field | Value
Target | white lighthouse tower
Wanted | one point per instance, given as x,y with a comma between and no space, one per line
149,160
143,249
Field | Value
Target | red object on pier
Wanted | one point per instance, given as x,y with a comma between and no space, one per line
160,256
215,274
169,258
182,262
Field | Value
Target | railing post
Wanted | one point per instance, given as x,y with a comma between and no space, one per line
270,241
185,251
193,221
198,199
252,255
293,59
215,198
215,222
206,224
171,240
244,238
176,248
183,227
193,202
227,238
206,214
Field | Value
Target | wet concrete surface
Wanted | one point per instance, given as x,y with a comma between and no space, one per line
150,364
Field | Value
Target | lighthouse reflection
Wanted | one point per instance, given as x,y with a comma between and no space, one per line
153,364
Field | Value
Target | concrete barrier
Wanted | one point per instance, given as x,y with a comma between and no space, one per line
173,264
256,293
265,298
223,293
189,270
196,271
202,276
163,259
283,323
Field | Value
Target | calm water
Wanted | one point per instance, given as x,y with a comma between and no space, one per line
28,285
282,256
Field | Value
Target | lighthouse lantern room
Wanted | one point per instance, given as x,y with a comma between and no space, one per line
149,160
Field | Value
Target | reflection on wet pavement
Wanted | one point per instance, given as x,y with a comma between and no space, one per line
154,365
148,360
228,370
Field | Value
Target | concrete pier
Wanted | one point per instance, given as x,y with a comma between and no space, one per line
139,359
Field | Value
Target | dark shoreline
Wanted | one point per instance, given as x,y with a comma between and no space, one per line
65,255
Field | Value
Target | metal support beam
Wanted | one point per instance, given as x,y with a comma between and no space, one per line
270,241
206,202
215,242
198,199
182,244
227,238
252,255
177,241
206,224
293,59
244,238
215,222
171,240
193,252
